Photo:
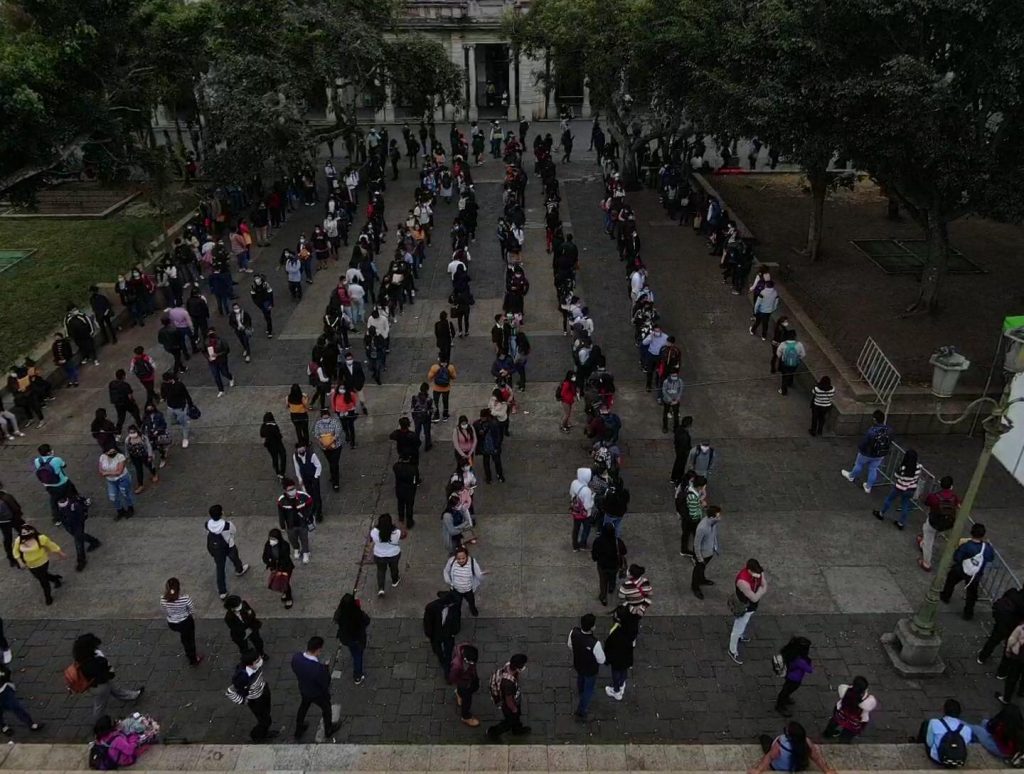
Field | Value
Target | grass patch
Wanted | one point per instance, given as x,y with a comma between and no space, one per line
70,256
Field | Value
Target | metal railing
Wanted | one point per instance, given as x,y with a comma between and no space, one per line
998,576
879,372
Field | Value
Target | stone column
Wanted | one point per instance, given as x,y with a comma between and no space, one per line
471,67
513,84
389,105
585,110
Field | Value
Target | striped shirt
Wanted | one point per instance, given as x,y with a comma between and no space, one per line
823,398
904,481
635,593
247,685
177,610
462,576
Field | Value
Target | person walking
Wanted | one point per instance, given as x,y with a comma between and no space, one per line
278,560
114,469
243,625
169,337
241,323
749,588
33,550
51,471
587,657
220,544
294,515
796,660
314,678
871,452
463,676
298,412
618,649
1007,615
263,296
609,555
328,434
352,623
442,620
505,693
969,562
144,368
422,411
463,575
705,548
308,470
11,519
179,403
1012,665
387,551
852,712
273,442
822,396
942,509
407,480
440,376
96,672
64,356
217,351
635,591
344,403
178,610
904,485
104,312
9,702
249,687
73,511
140,453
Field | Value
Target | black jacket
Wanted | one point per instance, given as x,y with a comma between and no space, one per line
120,392
682,442
314,678
282,562
608,554
242,622
407,475
294,512
169,338
246,320
442,618
351,629
354,380
101,306
176,394
444,331
406,441
616,501
618,647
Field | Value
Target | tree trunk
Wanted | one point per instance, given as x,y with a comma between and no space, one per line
628,172
934,272
818,179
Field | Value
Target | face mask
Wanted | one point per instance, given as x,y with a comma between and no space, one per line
291,492
239,608
257,663
704,448
463,425
272,542
349,362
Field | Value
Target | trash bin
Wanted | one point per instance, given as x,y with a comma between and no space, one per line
948,365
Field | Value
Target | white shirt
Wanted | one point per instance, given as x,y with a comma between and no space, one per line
353,274
381,324
391,548
356,292
331,227
352,180
453,266
313,458
583,492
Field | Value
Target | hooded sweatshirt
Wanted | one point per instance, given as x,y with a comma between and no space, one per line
580,487
224,528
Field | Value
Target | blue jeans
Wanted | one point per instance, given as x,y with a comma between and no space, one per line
217,368
119,492
9,702
872,464
615,521
585,689
905,497
223,303
356,649
181,417
307,269
981,735
70,372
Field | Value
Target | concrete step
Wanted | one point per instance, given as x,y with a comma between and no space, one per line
363,759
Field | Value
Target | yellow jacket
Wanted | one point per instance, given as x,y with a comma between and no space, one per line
35,557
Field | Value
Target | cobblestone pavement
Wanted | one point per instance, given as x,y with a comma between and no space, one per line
838,576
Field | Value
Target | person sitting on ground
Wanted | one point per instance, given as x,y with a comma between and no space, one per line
946,738
1003,735
790,751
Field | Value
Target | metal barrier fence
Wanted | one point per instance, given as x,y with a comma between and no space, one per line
998,576
879,372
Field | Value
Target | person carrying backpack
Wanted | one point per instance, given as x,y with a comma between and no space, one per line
871,452
220,544
144,368
505,693
463,676
946,738
441,375
942,509
790,353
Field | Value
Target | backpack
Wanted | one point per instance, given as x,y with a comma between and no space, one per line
880,443
577,510
100,758
494,684
952,749
46,474
143,368
943,517
443,377
558,393
790,356
75,680
216,544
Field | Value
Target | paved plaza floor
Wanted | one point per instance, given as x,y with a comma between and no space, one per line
837,575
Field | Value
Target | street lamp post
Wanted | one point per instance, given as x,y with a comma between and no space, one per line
914,646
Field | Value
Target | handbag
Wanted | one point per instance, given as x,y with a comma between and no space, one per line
278,581
736,606
194,412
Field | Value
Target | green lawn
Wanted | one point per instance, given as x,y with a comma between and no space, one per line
70,256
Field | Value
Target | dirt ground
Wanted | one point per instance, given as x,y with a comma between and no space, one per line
851,298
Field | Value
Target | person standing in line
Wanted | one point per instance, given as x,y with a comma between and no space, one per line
681,444
11,519
314,680
249,687
308,470
463,676
701,459
705,548
344,403
690,501
463,575
489,437
442,620
822,396
178,609
277,558
750,587
871,452
969,563
298,411
97,672
791,354
407,479
618,649
587,657
1007,615
104,311
566,395
609,556
422,412
635,591
179,402
852,712
407,443
796,657
765,305
64,356
328,433
73,512
51,471
444,334
32,550
387,551
904,485
614,503
243,625
942,509
581,508
217,356
352,623
650,351
441,375
464,441
113,468
504,690
169,337
294,514
273,442
671,395
9,702
220,543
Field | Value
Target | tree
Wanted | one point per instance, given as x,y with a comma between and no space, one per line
939,120
635,56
